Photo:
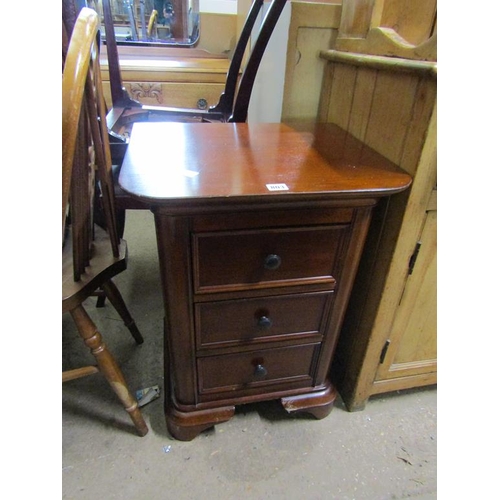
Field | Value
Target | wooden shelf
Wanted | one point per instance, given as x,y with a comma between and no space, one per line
394,64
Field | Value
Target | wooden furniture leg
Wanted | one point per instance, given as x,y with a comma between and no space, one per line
101,298
318,404
108,366
185,426
115,297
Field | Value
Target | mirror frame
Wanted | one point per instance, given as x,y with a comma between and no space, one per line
136,22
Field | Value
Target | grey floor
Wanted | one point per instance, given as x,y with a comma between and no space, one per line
387,451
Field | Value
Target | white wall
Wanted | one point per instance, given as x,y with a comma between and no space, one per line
267,95
219,6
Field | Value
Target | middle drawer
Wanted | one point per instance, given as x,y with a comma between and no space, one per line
245,321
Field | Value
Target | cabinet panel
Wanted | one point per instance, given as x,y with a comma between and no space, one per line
307,73
413,348
180,95
390,104
313,27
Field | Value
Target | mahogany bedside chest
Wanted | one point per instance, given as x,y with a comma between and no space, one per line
260,228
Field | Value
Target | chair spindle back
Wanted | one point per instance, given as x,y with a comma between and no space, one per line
85,151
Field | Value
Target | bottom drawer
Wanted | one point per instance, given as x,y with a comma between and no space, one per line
231,372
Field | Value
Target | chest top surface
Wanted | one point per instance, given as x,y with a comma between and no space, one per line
171,163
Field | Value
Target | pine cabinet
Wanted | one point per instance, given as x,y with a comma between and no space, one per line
409,355
388,339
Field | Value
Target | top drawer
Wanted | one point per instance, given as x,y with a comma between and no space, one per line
249,259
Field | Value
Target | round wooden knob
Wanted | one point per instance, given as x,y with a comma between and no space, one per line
264,322
202,103
260,371
272,262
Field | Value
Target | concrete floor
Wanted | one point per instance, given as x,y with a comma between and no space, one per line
387,451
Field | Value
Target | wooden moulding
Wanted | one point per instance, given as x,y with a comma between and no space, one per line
383,41
421,68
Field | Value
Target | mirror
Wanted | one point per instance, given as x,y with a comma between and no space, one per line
153,22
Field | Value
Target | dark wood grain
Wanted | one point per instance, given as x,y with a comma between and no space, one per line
305,255
217,223
247,321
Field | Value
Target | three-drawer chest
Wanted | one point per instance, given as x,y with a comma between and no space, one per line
260,229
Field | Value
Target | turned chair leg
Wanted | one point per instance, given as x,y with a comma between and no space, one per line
115,297
108,366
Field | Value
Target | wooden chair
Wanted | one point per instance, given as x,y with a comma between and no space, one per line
232,106
91,256
234,100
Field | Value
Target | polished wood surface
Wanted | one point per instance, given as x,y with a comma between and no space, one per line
265,252
247,321
223,162
255,281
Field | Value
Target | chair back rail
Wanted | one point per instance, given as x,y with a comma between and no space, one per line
86,157
74,76
96,108
119,95
226,101
240,106
80,199
235,99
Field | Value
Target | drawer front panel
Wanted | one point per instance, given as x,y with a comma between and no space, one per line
178,95
238,371
236,322
259,259
289,217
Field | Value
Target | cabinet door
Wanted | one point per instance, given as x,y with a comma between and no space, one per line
410,357
313,27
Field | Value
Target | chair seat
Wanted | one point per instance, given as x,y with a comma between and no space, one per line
102,268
